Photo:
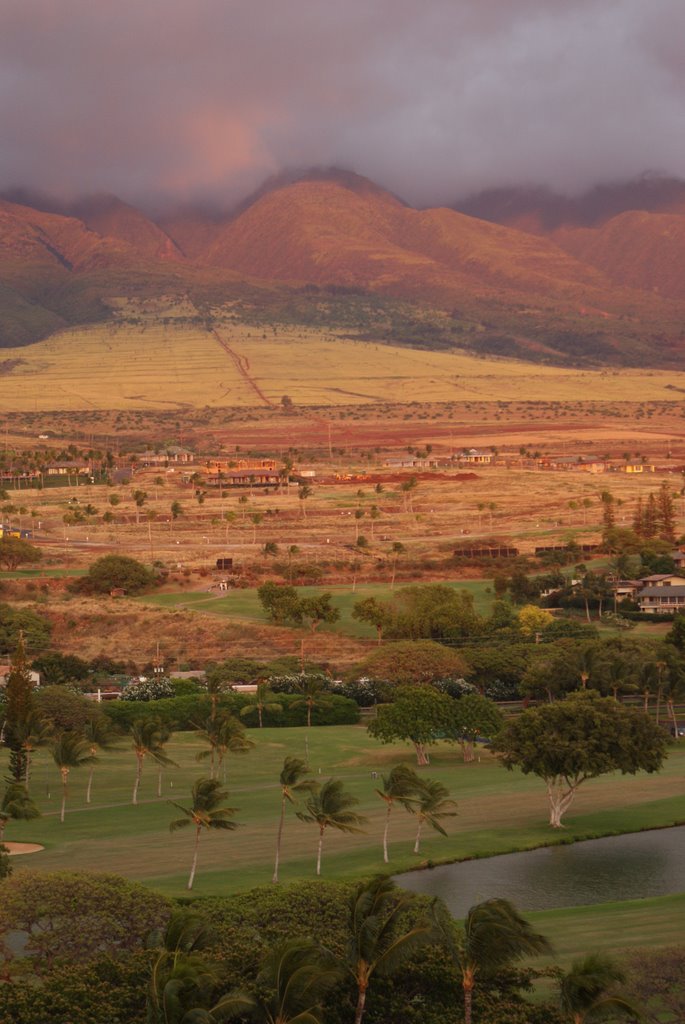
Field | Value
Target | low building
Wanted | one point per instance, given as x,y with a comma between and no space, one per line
662,600
475,457
663,579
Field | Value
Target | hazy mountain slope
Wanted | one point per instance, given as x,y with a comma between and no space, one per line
326,233
540,210
637,249
109,217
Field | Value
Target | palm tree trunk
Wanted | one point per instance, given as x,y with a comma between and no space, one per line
139,772
159,782
27,770
90,784
259,714
278,840
418,835
361,1005
318,855
672,715
195,852
65,776
468,999
385,833
658,705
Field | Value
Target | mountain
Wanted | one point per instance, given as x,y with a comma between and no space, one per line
331,248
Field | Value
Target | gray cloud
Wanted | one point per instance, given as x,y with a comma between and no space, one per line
204,98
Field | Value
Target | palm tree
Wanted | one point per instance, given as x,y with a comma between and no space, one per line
380,940
329,807
493,936
99,736
70,750
147,735
294,977
223,733
434,803
31,732
165,734
586,990
181,975
401,785
260,704
312,689
206,812
16,805
293,782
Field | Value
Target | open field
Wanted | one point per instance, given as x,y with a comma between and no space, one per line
244,604
114,366
498,812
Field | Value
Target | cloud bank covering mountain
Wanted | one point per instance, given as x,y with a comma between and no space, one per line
174,100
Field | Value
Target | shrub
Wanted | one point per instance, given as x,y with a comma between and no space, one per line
116,571
148,689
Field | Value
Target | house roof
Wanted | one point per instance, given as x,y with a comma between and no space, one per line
662,592
662,576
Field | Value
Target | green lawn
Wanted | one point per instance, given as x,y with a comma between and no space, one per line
499,811
244,604
17,574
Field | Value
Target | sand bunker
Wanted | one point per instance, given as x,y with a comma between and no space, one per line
16,848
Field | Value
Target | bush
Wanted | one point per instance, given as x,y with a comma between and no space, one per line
116,571
148,689
14,621
188,712
65,709
5,863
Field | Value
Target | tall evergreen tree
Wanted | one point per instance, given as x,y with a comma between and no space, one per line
665,513
608,512
639,518
19,694
650,520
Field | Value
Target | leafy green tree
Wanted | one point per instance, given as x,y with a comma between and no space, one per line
429,611
329,806
147,739
419,715
582,737
421,661
399,786
292,982
373,611
15,552
117,571
114,916
382,939
493,936
16,623
206,812
16,805
475,717
56,668
434,804
260,703
588,991
280,603
316,610
69,751
293,782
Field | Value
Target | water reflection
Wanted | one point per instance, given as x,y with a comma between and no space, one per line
597,871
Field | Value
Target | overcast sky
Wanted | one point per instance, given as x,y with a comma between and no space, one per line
434,99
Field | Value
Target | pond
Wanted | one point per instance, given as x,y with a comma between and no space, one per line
624,867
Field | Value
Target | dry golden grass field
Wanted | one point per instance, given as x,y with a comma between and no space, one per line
114,366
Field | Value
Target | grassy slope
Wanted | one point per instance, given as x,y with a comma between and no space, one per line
245,603
498,812
127,367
